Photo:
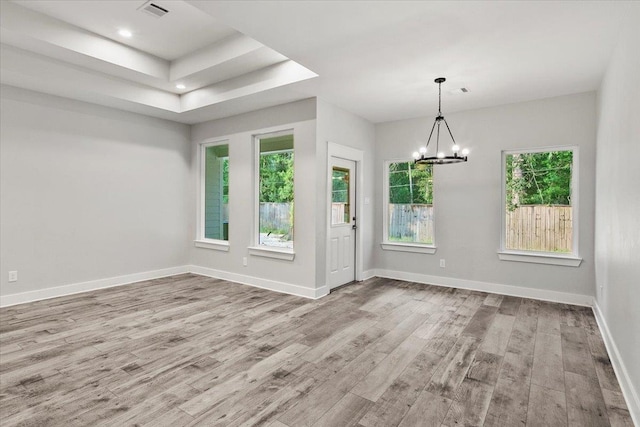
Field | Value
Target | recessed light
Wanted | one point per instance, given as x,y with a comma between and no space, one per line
180,86
125,33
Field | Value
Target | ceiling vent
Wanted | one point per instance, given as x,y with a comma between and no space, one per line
459,91
153,9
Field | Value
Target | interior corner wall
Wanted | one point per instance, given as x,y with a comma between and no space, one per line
344,128
617,235
467,196
88,192
297,276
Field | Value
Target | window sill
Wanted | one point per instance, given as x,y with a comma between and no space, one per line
216,245
408,247
284,254
540,258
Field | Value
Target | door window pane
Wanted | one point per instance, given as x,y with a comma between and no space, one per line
340,208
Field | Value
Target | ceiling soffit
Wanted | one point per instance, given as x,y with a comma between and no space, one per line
40,52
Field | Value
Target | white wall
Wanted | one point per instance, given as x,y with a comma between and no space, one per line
297,275
88,192
342,127
467,196
617,236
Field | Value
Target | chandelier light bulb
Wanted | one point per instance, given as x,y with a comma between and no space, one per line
416,155
441,155
455,148
465,151
423,150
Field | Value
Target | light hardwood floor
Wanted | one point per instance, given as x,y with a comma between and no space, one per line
190,350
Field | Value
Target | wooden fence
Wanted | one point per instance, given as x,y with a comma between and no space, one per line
530,227
275,217
540,228
411,223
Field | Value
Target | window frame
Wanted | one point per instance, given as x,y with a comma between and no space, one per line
388,245
201,241
287,254
540,257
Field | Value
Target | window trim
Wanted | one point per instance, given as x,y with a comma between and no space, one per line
201,241
272,252
287,254
388,245
539,257
217,245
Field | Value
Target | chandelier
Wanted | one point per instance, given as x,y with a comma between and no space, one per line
422,158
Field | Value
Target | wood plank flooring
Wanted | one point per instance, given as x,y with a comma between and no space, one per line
190,350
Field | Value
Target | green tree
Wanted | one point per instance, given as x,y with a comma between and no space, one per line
539,178
409,184
276,177
340,186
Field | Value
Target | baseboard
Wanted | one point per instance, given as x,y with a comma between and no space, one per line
517,291
76,288
628,390
288,288
368,274
272,285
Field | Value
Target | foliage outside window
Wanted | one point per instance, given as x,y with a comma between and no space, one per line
276,195
410,205
340,208
216,192
539,211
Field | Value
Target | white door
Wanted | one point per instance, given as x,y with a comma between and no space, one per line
342,237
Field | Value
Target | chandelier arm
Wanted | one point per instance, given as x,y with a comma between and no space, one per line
432,128
450,134
438,139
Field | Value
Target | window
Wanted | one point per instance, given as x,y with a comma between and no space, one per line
275,191
539,202
408,207
340,206
215,192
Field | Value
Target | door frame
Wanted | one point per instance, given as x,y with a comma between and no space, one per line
357,156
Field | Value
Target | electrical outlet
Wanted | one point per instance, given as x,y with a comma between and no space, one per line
244,261
13,276
442,263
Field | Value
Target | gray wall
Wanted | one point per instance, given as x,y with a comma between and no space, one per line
239,131
617,236
88,192
341,127
467,196
315,122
